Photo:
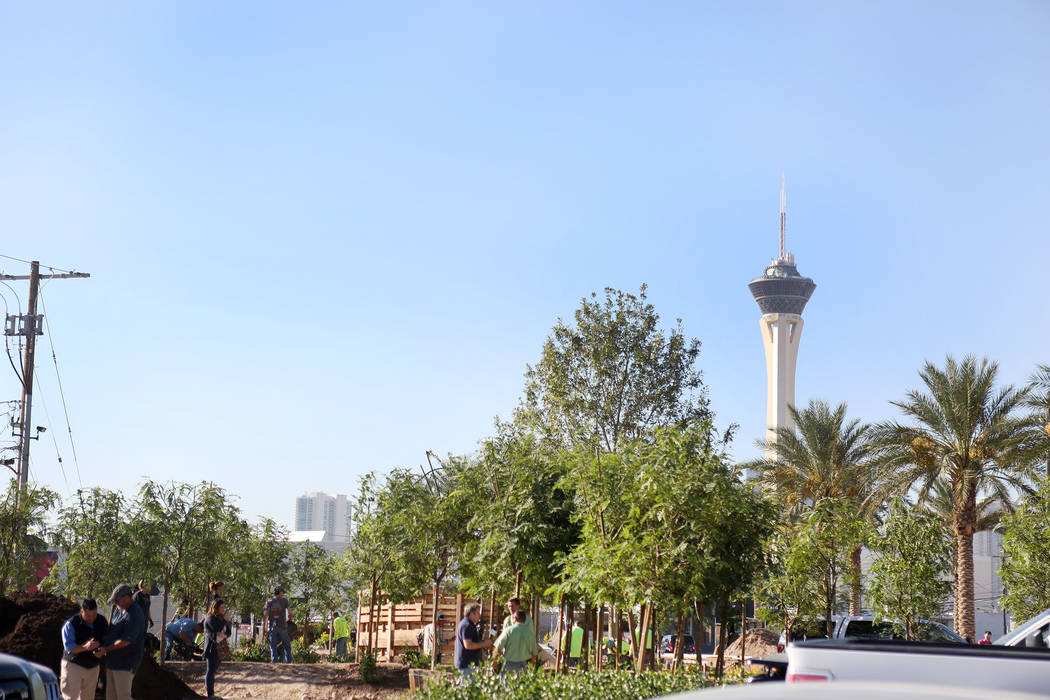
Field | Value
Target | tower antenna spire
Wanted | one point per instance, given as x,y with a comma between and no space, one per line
783,214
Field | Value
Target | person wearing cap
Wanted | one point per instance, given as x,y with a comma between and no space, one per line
429,637
275,627
81,636
122,650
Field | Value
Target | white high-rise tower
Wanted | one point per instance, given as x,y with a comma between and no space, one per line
781,294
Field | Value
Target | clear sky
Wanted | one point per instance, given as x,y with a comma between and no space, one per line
325,238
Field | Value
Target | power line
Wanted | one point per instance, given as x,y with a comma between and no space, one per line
58,453
62,394
30,262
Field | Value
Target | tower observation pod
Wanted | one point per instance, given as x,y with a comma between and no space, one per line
781,294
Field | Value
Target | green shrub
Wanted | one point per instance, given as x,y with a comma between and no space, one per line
250,651
302,654
367,668
414,658
579,686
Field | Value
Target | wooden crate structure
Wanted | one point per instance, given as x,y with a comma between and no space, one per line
399,625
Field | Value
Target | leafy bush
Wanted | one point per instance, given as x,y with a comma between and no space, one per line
414,658
250,651
302,654
367,668
579,686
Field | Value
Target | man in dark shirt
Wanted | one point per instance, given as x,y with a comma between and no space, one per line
143,600
468,641
124,641
81,636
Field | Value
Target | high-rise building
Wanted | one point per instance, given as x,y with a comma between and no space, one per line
319,512
781,293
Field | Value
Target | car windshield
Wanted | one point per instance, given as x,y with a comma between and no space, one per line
927,632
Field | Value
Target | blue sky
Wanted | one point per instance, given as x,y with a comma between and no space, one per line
325,238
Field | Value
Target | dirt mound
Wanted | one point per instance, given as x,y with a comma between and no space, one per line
34,621
760,642
157,683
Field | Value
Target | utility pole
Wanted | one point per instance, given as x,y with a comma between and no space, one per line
31,325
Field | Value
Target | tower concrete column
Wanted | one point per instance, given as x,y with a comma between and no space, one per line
780,335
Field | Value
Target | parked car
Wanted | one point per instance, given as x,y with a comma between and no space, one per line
667,644
25,680
1034,634
865,627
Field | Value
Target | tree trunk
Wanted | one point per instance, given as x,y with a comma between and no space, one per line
585,657
558,665
517,583
679,648
617,636
643,634
434,623
855,583
743,635
700,637
164,616
632,643
723,619
492,611
964,518
371,617
598,638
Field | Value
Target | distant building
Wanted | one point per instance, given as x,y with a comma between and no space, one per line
322,518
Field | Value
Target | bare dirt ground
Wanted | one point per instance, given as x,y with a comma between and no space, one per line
322,681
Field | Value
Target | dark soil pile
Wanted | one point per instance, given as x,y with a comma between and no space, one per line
152,681
34,626
31,627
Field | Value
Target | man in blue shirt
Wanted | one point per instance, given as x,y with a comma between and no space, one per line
123,648
468,641
81,636
180,630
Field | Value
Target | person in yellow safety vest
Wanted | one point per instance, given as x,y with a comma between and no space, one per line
575,643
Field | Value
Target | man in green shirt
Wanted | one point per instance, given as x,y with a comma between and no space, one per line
513,606
518,645
340,634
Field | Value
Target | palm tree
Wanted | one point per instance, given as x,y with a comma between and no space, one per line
972,436
939,502
823,457
1039,401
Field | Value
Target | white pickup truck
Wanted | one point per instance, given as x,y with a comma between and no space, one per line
1019,661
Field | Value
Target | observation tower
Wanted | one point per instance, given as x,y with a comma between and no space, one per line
781,293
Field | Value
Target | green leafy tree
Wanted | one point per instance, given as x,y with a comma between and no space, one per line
812,560
434,513
93,530
908,578
260,563
522,518
965,431
374,535
180,528
824,456
23,532
1026,555
317,581
612,376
